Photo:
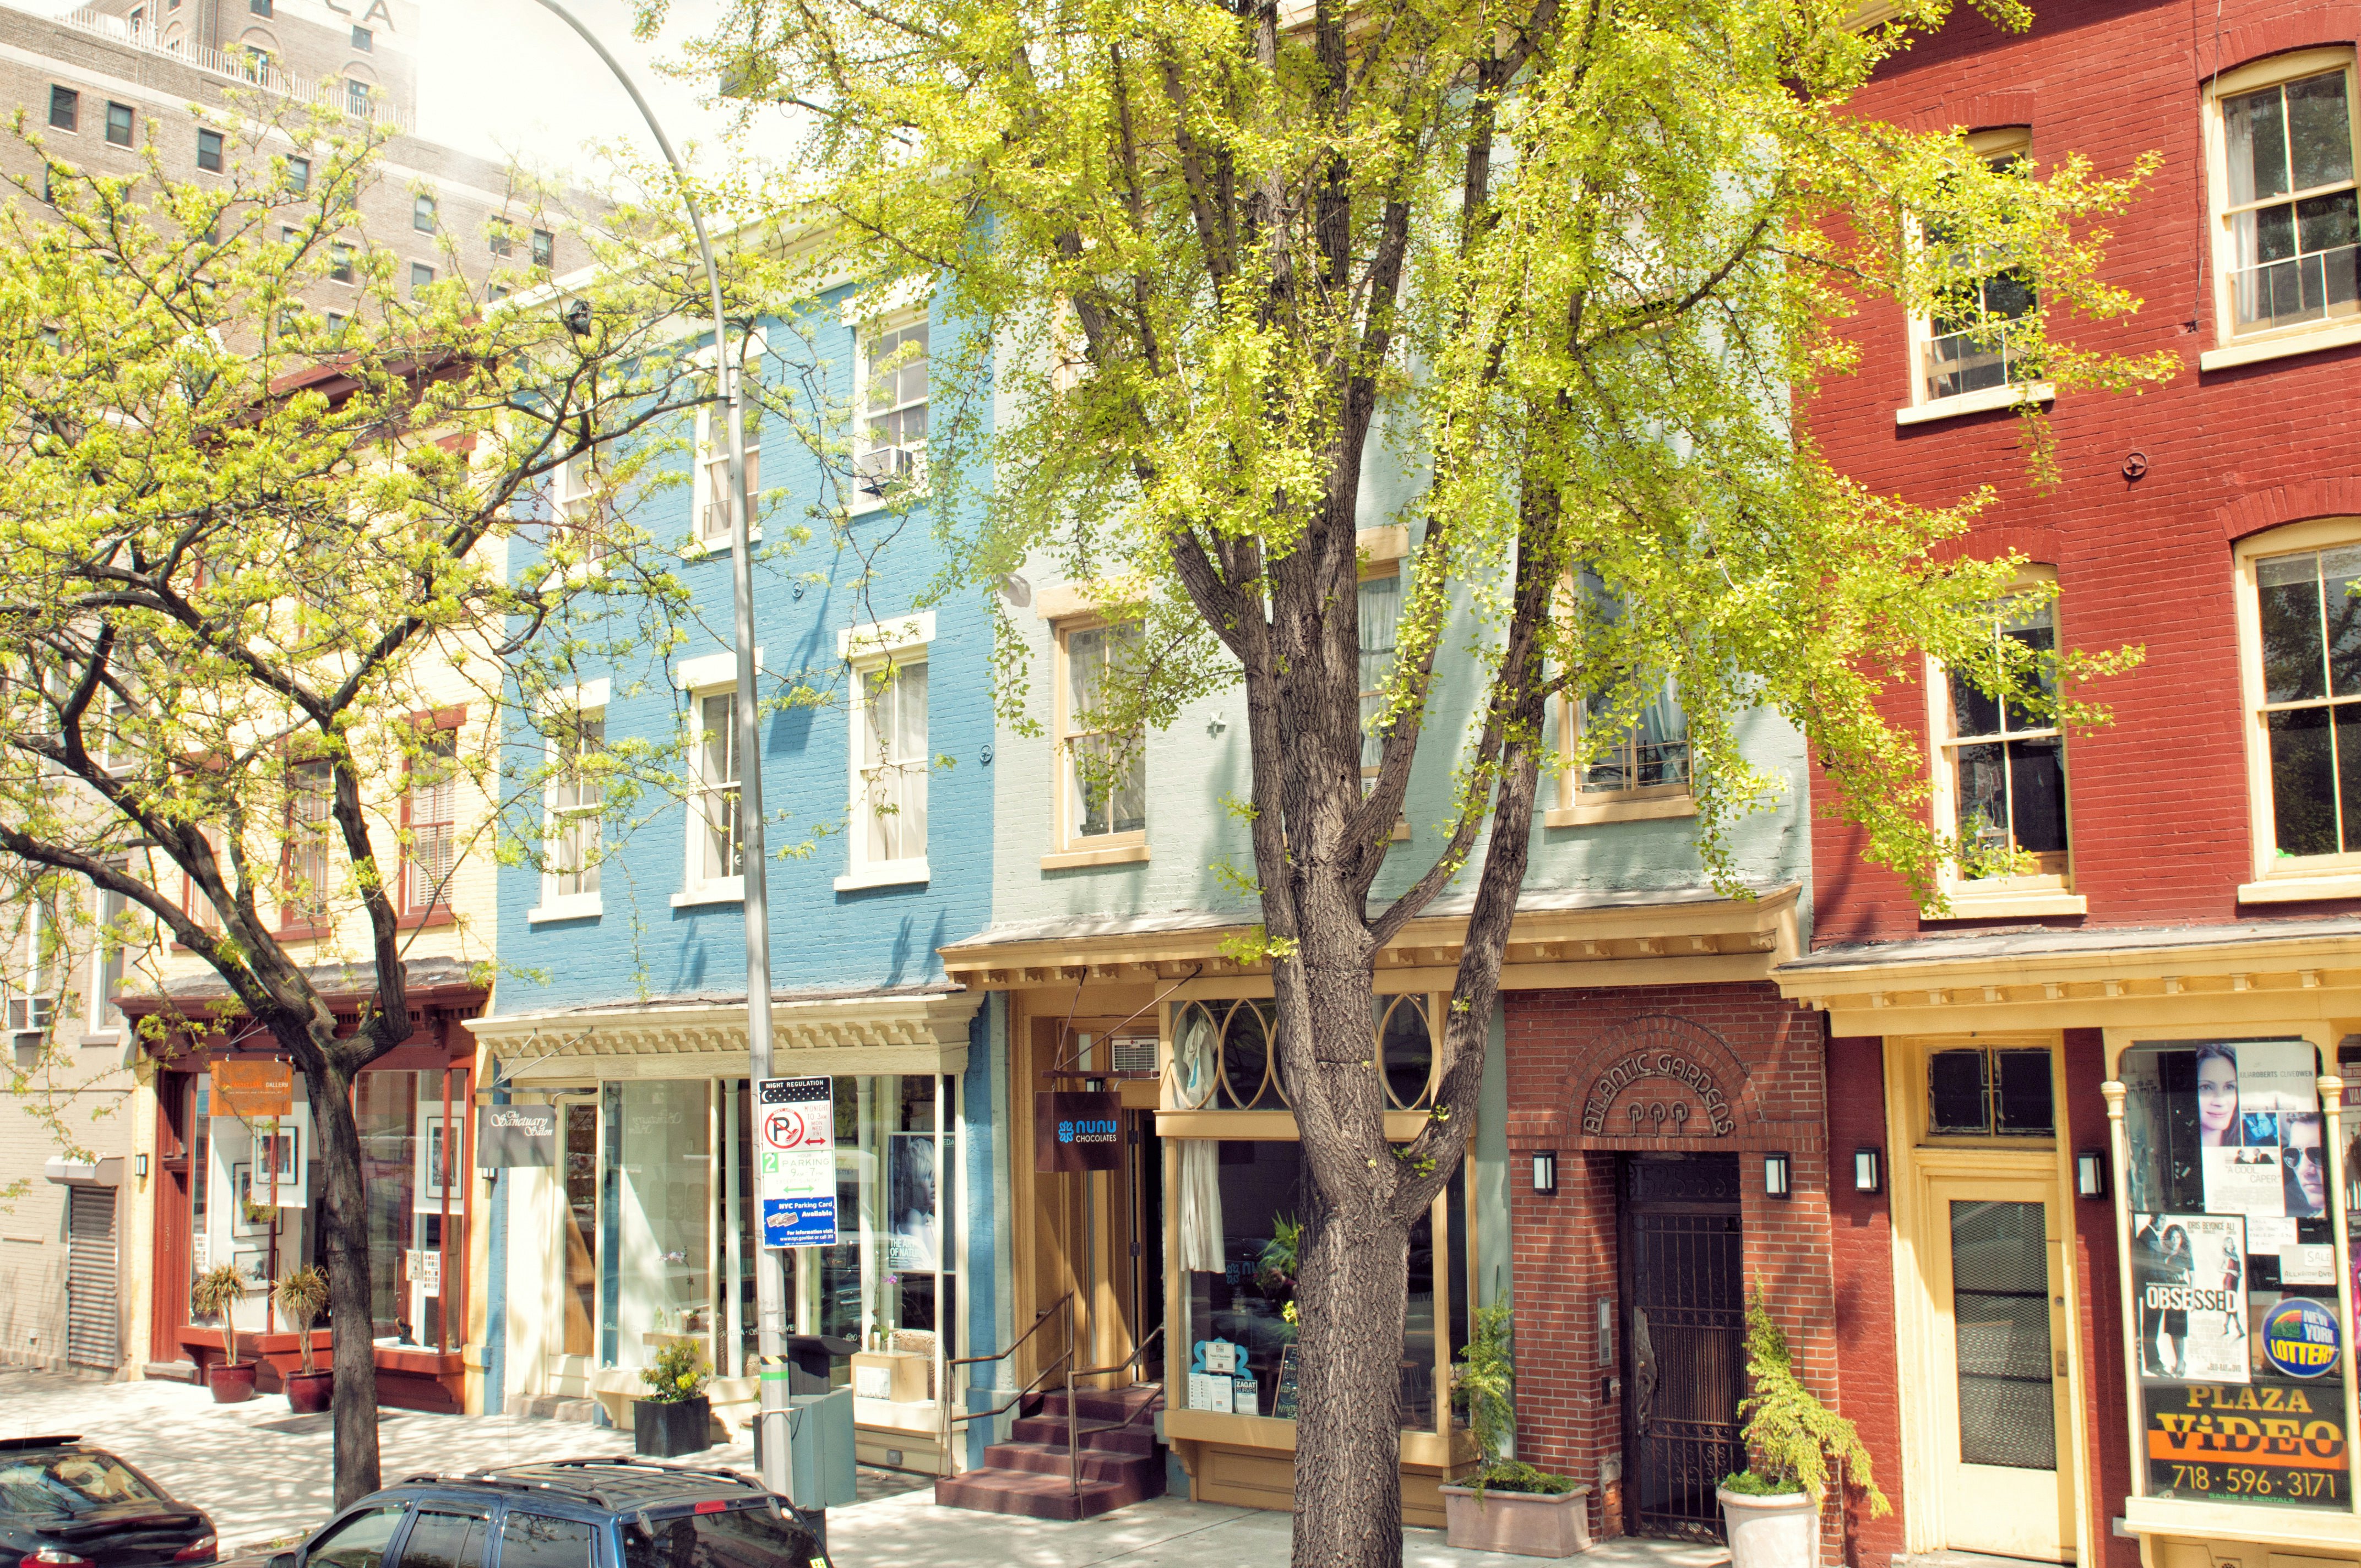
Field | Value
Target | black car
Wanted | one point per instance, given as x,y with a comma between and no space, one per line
568,1513
64,1503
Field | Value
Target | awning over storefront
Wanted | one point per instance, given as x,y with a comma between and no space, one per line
1560,937
2040,977
900,1029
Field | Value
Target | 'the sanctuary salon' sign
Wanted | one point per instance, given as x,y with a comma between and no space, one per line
1642,1065
508,1136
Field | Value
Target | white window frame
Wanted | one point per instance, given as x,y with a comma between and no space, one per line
2307,877
2232,347
710,462
871,650
1917,407
441,890
1579,807
911,460
33,1009
1074,847
707,676
1986,898
571,706
103,999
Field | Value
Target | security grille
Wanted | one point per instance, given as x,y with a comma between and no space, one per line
1686,1342
91,1321
2000,1299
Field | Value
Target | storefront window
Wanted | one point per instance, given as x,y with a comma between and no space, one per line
1238,1210
2240,1371
412,1133
659,1222
876,1285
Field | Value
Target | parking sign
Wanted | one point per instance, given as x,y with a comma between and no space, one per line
794,1160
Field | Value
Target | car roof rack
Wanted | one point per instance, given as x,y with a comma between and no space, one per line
636,1461
508,1483
52,1441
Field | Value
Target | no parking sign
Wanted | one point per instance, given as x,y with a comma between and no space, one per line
794,1160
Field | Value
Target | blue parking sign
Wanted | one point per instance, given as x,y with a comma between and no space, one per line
799,1222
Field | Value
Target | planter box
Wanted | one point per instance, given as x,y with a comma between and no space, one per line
1528,1524
669,1429
231,1385
1781,1531
308,1393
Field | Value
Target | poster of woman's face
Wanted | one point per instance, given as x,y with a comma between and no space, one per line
2218,1122
2304,1162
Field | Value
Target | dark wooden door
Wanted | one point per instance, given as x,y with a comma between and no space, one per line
1684,1339
168,1287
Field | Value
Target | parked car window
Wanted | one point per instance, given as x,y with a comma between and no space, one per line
66,1483
445,1540
537,1541
360,1542
741,1537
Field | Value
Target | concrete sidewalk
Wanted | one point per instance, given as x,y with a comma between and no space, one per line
263,1475
910,1531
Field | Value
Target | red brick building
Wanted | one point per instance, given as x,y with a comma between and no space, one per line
2112,1081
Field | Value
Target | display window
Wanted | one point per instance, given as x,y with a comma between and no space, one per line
1238,1220
1235,1207
658,1236
2230,1185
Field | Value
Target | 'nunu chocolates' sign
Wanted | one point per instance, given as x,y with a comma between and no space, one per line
1077,1130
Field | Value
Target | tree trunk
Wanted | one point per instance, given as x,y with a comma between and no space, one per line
344,1232
1351,1295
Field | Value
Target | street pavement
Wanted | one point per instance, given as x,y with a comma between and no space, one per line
264,1477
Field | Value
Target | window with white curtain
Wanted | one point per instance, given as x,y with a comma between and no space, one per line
889,829
716,837
1380,609
576,796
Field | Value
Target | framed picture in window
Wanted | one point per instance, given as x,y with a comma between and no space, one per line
243,1220
434,1153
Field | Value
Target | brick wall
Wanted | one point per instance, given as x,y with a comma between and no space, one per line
2099,1310
1765,1056
2142,562
1861,1249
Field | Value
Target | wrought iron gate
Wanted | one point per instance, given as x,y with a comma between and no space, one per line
1684,1331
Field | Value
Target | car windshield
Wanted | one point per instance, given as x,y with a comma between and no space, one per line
67,1481
740,1538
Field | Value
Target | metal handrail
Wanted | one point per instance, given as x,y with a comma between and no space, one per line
943,1461
1132,1360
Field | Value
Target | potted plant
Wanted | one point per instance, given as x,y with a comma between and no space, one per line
1771,1508
216,1294
1506,1506
673,1417
302,1300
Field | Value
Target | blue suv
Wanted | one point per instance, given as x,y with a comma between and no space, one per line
568,1513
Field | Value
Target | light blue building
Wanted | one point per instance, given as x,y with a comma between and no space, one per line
622,995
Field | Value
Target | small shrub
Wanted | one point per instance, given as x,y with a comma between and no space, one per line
1790,1435
1516,1476
678,1374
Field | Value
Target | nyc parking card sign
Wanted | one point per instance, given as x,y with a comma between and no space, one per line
794,1160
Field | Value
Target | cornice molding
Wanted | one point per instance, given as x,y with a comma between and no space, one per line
867,1034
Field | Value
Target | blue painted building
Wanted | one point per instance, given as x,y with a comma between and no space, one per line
621,997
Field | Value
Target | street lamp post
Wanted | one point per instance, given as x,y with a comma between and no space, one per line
770,1282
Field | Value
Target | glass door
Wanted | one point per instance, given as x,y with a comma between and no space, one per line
579,1297
2003,1456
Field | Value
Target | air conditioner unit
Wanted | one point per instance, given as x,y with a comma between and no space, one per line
888,467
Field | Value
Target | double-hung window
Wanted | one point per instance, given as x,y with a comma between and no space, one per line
717,836
118,123
2000,775
34,1005
2300,631
106,957
892,435
1105,770
713,464
1629,754
2286,245
889,752
575,498
430,818
65,109
1380,613
577,797
303,864
1968,344
209,151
